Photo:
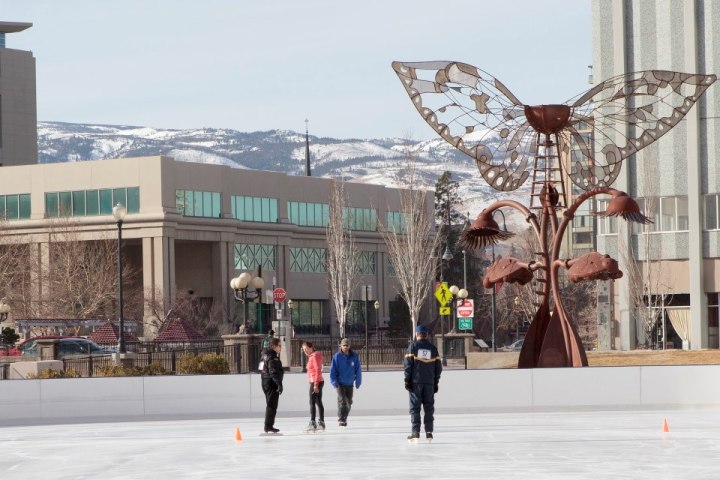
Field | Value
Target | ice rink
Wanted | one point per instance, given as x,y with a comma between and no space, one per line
528,446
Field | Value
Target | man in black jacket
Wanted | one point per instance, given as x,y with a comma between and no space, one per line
271,373
422,377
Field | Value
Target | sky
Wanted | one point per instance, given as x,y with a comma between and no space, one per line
262,65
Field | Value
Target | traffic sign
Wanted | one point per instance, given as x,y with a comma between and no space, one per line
465,323
466,308
444,310
443,295
279,294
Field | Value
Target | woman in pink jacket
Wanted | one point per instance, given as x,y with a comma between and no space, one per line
315,377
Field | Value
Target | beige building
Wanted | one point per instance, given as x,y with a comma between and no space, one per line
192,227
18,106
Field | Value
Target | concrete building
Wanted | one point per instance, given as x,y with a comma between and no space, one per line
192,227
18,106
676,179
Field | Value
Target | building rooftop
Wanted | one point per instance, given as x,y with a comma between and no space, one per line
13,27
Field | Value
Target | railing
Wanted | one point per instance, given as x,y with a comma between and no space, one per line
379,351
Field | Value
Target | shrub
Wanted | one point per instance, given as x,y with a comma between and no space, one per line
122,371
70,373
210,363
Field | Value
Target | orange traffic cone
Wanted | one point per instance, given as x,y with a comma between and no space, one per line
238,435
665,426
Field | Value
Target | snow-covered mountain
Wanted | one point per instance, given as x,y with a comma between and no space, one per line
373,161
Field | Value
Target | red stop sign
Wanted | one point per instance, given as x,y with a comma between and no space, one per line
466,309
279,295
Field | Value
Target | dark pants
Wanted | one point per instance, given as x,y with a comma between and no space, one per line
422,394
271,402
316,401
345,394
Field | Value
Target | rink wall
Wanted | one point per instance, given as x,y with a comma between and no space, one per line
600,388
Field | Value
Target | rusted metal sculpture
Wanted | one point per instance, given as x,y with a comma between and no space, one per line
511,142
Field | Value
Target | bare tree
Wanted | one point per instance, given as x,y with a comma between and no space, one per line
412,242
341,259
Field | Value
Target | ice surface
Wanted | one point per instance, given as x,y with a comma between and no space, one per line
528,446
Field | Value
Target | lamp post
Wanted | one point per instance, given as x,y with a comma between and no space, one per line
367,344
241,284
119,211
376,305
493,307
290,305
462,294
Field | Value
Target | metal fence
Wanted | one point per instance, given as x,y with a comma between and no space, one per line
240,358
377,352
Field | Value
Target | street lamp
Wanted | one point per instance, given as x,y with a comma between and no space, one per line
376,305
493,307
241,284
119,211
460,293
290,305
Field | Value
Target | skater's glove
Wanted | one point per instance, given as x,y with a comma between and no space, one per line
408,386
437,387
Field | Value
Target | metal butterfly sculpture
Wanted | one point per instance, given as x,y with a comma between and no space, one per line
510,141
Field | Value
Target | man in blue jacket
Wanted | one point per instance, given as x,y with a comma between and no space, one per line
422,377
344,372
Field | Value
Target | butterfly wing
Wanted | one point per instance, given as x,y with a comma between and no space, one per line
623,115
475,113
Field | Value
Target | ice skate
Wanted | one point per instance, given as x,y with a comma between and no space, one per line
342,424
311,428
270,432
413,437
321,426
429,437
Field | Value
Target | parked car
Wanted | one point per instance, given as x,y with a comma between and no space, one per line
515,346
65,346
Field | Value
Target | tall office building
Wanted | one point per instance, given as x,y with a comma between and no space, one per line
18,105
676,179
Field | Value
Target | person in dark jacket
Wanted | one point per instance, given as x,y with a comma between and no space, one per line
345,371
422,378
271,373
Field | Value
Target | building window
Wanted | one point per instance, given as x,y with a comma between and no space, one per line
395,222
15,207
307,260
669,214
355,319
713,300
308,214
254,209
307,318
389,269
712,222
190,203
606,225
366,262
360,219
248,257
83,203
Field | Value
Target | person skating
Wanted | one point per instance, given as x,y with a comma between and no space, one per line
315,377
345,372
271,374
422,367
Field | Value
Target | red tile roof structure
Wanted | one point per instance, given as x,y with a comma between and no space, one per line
108,335
179,332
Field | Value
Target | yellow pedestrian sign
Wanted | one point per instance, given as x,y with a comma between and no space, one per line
443,295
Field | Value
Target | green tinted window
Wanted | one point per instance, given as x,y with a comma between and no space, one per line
119,196
2,207
188,203
12,209
25,205
216,205
65,204
78,202
92,202
106,202
133,200
51,204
